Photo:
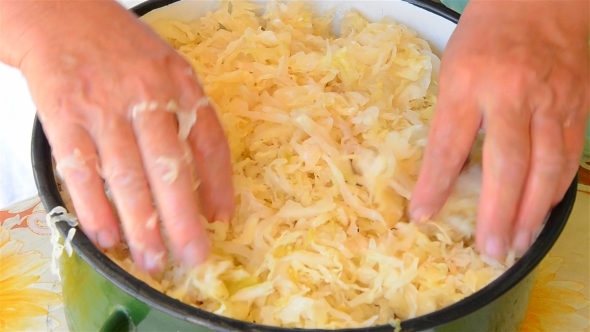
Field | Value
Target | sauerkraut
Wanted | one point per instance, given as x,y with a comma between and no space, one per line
326,136
54,216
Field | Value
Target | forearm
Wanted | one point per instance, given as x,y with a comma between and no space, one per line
27,24
15,16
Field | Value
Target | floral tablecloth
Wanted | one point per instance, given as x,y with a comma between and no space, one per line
30,296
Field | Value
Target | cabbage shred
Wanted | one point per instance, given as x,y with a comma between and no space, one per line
326,135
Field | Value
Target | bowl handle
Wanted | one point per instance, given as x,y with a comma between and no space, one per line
118,321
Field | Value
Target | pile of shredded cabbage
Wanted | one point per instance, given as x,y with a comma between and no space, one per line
326,136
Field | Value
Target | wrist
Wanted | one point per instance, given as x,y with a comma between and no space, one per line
567,16
16,19
29,25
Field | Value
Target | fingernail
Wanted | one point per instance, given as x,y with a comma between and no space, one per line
522,241
420,215
196,252
222,216
495,247
153,260
106,239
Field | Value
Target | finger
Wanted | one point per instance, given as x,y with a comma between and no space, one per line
169,177
212,157
451,137
573,137
506,153
123,170
214,167
78,165
546,168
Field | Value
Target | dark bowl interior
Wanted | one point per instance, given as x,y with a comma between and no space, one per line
51,198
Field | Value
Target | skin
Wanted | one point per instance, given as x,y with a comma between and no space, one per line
85,89
525,81
519,70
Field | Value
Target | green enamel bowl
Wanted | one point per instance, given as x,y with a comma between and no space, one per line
100,296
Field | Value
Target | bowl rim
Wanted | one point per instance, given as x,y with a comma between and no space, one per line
47,187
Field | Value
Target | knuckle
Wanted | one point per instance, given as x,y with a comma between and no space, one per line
571,164
543,99
105,124
63,108
167,169
550,165
457,77
76,167
517,80
445,154
511,163
148,86
515,158
128,179
217,147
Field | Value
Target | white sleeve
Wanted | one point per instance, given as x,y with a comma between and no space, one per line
17,113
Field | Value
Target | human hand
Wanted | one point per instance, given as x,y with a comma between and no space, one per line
519,70
108,93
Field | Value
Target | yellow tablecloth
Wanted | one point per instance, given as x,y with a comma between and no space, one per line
30,296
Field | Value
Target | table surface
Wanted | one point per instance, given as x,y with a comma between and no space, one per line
30,296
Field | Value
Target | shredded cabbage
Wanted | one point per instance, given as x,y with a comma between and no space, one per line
54,216
326,136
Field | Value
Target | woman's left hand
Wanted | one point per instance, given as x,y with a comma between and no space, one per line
518,69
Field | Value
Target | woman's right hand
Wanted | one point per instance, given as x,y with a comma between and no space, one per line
109,93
